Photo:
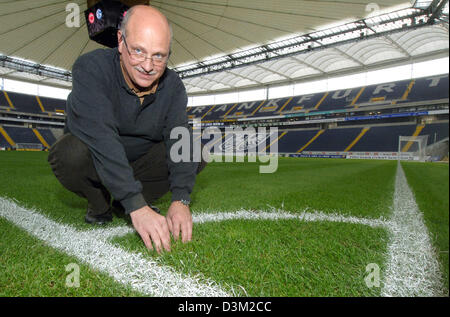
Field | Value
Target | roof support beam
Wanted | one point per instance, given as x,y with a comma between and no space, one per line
363,29
298,60
244,77
436,8
388,39
273,71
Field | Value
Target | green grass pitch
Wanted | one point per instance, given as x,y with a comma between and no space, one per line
252,257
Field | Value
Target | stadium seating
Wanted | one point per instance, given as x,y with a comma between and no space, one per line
47,135
334,139
3,142
30,104
377,138
425,89
374,138
53,104
17,134
21,135
293,141
23,103
383,138
395,93
422,89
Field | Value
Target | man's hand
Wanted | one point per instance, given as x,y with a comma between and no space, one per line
179,218
151,227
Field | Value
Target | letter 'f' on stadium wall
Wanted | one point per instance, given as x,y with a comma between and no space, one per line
73,16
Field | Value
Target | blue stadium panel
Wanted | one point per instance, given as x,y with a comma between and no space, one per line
295,140
303,102
3,142
53,104
435,131
384,92
24,103
216,142
21,135
244,109
271,107
48,136
198,112
334,140
383,138
219,112
338,99
3,101
429,88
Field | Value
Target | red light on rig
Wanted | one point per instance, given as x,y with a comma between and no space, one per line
91,18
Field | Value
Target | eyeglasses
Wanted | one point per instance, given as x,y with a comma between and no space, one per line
139,56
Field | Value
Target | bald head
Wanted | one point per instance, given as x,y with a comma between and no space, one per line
141,17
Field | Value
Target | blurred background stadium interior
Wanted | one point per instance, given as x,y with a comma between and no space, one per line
353,79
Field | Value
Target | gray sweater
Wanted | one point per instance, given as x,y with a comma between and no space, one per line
108,117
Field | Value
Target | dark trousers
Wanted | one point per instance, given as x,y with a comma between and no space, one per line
72,164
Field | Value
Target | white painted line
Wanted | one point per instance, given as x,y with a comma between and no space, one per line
412,265
315,216
412,268
282,215
144,275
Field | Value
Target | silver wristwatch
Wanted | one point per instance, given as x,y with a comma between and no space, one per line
184,202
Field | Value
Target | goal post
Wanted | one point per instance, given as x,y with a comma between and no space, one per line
29,147
412,148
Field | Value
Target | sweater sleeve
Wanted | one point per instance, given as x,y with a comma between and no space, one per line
182,174
90,117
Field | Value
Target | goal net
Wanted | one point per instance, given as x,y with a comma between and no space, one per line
29,147
412,148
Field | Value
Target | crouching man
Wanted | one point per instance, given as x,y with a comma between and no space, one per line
116,148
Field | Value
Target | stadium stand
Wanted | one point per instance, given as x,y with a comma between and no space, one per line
427,89
334,140
294,141
5,140
47,135
383,138
11,135
30,104
22,103
356,127
423,89
430,88
374,138
21,135
5,102
53,105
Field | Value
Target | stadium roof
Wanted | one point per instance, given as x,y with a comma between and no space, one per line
298,39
